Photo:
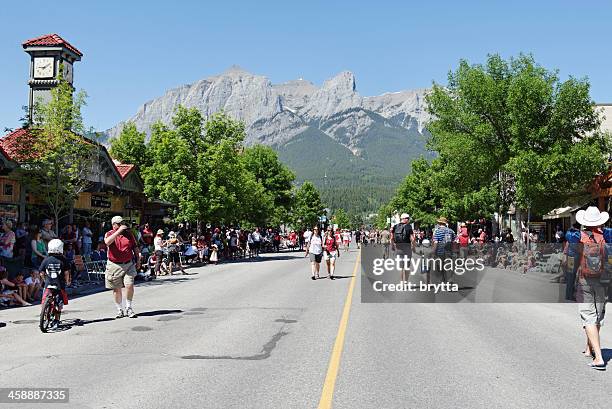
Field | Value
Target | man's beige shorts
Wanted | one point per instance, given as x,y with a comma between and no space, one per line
591,298
119,275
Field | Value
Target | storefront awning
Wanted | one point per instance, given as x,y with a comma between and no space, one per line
561,212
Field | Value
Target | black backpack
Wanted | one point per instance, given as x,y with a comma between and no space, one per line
401,233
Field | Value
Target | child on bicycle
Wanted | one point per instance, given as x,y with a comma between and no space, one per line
56,271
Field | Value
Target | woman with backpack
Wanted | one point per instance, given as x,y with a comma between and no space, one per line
591,292
174,246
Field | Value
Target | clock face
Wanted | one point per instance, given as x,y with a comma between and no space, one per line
67,71
43,67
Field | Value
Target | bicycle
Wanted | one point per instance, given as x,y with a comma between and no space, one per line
52,308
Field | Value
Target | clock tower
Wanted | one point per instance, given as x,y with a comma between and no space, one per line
47,54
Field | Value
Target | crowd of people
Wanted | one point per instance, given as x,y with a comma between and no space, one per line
129,250
161,251
584,260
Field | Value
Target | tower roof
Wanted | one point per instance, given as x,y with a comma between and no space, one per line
51,39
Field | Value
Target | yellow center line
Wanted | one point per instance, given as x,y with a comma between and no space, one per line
327,395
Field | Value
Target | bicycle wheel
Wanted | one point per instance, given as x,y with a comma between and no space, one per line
58,307
46,314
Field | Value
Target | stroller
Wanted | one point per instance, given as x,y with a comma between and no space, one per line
190,254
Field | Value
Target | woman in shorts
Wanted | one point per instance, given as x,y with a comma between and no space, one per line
174,257
315,250
331,251
346,239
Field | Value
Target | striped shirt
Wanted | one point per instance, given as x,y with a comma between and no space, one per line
443,235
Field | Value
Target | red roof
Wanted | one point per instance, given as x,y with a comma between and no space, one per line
12,144
123,168
16,143
51,39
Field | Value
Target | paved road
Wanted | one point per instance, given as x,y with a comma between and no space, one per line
261,334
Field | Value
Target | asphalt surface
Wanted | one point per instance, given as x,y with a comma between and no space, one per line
260,335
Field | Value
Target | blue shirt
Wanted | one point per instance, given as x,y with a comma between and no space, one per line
573,242
443,235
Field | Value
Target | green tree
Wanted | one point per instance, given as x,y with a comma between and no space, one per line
56,162
356,221
307,206
178,172
512,132
197,164
276,178
129,147
234,195
341,218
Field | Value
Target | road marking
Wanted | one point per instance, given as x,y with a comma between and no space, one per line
327,394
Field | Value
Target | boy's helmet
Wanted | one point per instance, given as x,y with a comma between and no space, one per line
56,246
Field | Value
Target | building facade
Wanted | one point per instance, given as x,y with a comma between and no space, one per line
114,188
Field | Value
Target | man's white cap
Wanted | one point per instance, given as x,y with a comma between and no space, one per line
117,219
405,216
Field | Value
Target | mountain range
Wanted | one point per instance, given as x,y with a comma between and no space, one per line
355,148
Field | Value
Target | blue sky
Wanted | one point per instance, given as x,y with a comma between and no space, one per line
135,50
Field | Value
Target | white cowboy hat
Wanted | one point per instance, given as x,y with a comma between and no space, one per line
592,217
405,216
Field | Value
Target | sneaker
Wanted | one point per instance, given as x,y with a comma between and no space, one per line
54,325
120,314
130,313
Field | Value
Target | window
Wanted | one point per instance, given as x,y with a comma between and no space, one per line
8,189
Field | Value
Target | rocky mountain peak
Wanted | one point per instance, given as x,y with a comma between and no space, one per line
342,82
276,113
236,70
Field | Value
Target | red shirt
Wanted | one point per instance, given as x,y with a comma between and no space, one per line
464,237
122,249
330,244
149,238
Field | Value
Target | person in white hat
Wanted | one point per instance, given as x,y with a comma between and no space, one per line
121,267
158,248
590,292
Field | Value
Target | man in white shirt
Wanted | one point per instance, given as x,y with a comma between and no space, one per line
158,243
256,241
307,235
